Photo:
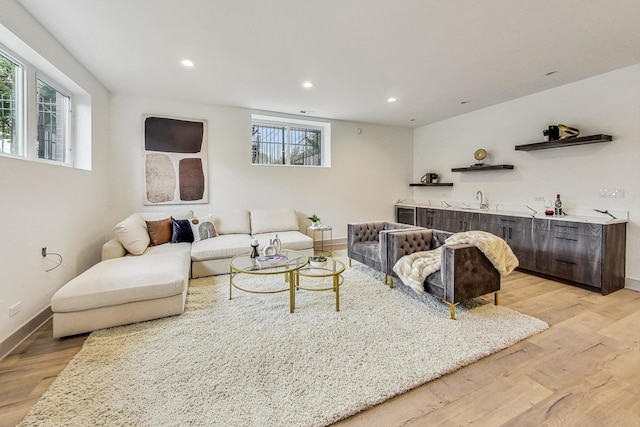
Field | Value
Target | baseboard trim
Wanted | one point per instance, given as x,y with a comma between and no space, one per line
23,332
633,284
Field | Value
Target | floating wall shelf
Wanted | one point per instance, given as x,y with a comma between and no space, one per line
482,168
440,184
567,142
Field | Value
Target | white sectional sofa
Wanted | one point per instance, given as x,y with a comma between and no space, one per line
141,278
234,232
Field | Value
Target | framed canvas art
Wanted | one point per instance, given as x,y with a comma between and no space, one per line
175,161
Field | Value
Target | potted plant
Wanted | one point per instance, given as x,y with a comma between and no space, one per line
315,220
435,178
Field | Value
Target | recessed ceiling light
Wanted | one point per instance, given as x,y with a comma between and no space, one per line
307,85
187,63
550,73
392,99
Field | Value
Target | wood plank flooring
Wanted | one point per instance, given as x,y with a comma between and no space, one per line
583,371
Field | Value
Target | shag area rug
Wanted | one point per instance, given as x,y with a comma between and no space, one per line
249,362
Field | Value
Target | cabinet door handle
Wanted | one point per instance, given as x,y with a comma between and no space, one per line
566,262
509,232
507,220
566,226
504,233
566,238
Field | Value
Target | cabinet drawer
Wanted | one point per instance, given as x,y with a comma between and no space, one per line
581,228
577,270
572,245
506,220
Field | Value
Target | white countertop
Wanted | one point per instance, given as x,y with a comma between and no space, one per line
575,215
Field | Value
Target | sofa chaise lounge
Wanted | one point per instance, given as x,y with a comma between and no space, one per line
141,278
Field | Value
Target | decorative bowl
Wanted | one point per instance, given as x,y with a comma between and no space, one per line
318,261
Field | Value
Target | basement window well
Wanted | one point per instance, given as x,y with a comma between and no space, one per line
280,141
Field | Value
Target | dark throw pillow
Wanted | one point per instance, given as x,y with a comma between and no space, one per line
181,231
159,231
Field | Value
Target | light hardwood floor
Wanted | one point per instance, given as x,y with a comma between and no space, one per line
583,371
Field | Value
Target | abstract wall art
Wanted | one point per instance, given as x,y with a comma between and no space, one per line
175,161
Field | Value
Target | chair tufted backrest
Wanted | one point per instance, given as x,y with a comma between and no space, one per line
366,232
407,242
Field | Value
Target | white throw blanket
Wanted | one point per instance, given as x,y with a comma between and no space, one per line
413,269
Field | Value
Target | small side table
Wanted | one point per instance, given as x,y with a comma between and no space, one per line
333,268
318,233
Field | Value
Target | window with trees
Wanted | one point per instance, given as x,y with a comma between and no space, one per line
35,112
10,103
291,142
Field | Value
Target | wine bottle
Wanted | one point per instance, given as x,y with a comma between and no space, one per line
558,206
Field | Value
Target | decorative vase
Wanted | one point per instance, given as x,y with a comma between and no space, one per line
269,249
315,223
277,244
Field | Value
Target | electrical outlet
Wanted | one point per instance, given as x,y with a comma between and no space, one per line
15,309
44,251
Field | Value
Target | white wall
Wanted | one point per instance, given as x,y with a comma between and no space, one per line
64,209
608,104
369,170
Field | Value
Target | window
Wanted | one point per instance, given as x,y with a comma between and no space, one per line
53,123
292,142
10,103
35,112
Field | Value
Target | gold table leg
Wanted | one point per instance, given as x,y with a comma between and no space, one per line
452,308
495,298
292,291
336,288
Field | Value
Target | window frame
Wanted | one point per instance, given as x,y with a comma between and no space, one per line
68,137
288,122
27,112
20,130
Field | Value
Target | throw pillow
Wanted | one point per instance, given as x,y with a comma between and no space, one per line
181,231
132,234
159,231
202,228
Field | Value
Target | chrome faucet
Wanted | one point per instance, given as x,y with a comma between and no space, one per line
480,197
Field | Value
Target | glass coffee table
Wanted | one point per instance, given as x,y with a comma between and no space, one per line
333,268
244,264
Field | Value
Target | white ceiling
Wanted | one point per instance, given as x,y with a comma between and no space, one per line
429,54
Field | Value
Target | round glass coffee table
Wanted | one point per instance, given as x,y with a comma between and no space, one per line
244,264
333,268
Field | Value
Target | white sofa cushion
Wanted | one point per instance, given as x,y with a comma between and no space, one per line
294,240
271,220
124,280
222,246
169,248
232,222
132,233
